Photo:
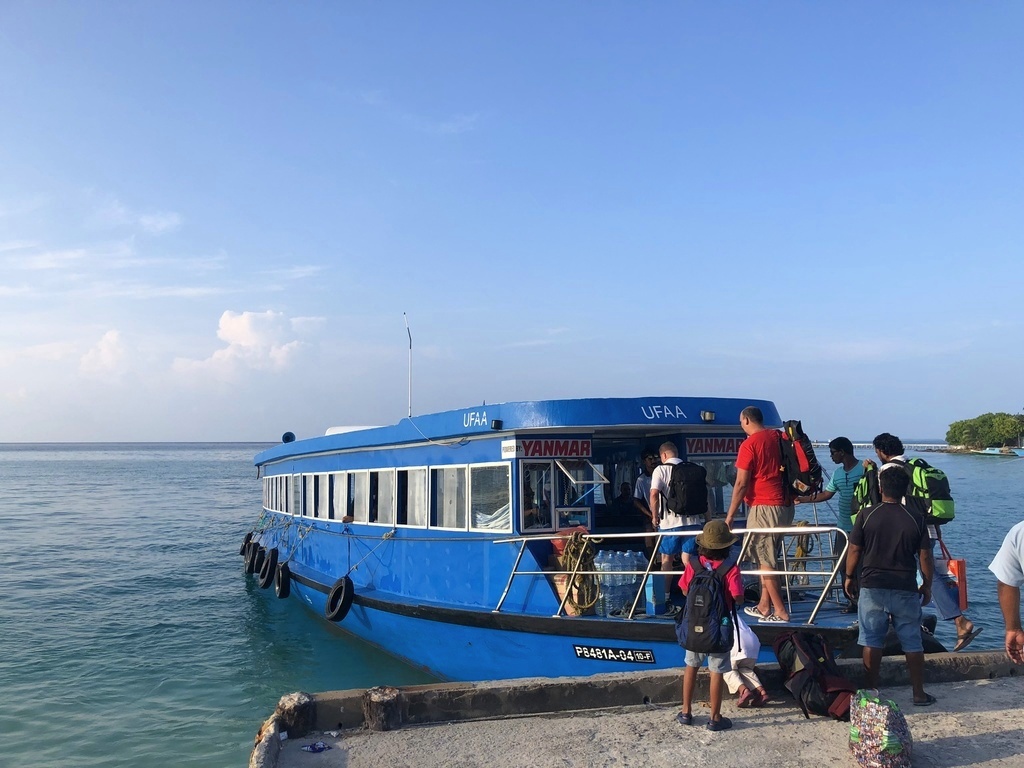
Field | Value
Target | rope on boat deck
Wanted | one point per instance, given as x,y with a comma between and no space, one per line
804,547
583,591
298,541
389,535
284,524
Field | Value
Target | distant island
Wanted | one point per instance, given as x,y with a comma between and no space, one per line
990,430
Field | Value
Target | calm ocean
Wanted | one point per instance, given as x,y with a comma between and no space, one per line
129,634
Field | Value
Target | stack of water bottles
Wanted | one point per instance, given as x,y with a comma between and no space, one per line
618,585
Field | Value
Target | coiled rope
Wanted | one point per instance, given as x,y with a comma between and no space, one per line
584,588
804,547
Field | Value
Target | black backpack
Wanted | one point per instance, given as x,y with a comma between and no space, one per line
706,625
687,490
801,472
812,675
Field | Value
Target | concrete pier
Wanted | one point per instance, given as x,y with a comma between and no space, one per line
629,719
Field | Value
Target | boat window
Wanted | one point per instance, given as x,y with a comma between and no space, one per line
296,495
580,479
581,471
309,498
359,495
535,495
382,496
490,497
448,499
340,499
721,477
323,497
411,497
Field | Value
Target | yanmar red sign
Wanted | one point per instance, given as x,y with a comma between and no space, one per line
550,449
713,446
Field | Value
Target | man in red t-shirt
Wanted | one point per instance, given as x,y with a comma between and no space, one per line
759,484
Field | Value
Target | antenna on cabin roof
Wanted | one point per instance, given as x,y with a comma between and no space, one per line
410,361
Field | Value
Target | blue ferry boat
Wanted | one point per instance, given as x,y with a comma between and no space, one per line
437,538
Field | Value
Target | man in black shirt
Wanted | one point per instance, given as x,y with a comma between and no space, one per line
887,541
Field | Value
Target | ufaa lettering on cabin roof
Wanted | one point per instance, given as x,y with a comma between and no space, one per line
662,412
474,419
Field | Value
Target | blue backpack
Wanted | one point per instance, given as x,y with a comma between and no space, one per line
706,624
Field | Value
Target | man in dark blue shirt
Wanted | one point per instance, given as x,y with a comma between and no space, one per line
887,542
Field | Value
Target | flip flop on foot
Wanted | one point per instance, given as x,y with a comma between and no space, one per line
927,702
755,611
684,718
775,619
962,641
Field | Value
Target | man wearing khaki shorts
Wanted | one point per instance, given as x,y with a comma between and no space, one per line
759,484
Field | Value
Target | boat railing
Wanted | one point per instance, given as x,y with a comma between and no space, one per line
797,570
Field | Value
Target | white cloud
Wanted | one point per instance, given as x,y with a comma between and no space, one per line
53,351
307,324
297,272
47,260
18,245
451,126
255,340
113,213
105,358
457,124
15,395
158,223
553,336
21,208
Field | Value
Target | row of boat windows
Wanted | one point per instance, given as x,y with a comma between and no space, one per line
477,497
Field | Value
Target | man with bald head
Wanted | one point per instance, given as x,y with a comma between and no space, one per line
759,484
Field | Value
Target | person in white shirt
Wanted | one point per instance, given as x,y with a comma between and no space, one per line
667,521
1008,566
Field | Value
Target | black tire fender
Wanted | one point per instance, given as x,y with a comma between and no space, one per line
340,599
283,581
250,557
245,543
258,558
268,570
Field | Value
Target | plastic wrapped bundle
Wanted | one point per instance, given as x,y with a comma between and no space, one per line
879,734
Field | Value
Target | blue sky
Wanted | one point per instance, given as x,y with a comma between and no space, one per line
212,216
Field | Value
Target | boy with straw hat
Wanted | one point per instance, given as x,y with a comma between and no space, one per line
713,544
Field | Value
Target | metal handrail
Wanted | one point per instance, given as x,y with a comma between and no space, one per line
797,530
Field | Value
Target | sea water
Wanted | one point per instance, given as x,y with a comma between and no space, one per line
129,634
